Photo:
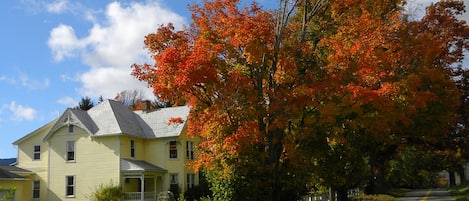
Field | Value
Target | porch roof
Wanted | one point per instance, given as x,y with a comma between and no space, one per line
11,172
139,165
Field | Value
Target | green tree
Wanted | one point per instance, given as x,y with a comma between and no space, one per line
85,104
414,167
9,193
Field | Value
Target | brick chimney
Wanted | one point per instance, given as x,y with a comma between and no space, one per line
146,105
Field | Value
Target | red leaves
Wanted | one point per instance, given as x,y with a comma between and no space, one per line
175,120
370,72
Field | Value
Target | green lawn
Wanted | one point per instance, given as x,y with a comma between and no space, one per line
376,198
460,193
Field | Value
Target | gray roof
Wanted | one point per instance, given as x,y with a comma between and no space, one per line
10,172
138,165
113,118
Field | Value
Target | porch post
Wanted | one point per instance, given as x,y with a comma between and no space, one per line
162,184
142,183
154,187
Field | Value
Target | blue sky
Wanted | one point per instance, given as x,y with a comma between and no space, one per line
54,52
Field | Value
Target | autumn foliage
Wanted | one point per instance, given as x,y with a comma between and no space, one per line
287,99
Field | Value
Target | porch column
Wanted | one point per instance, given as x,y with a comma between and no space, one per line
142,183
162,184
154,188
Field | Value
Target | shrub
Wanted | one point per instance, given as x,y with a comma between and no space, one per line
107,192
9,194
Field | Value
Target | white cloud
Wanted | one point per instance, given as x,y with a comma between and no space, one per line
58,6
33,84
112,45
20,112
67,101
25,81
54,7
8,80
63,42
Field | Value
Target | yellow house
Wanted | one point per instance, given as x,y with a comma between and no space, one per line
143,152
15,178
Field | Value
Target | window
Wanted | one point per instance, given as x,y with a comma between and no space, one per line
36,189
173,150
70,150
189,150
37,152
70,186
173,178
190,180
70,128
132,148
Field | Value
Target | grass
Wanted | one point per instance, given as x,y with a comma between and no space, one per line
376,198
460,193
398,192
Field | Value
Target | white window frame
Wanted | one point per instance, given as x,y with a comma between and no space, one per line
36,189
71,149
72,186
36,152
190,180
190,150
171,146
70,128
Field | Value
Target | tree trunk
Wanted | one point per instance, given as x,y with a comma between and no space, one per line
342,194
377,182
462,174
452,179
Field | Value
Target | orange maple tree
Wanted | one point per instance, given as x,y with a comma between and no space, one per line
235,70
389,80
273,94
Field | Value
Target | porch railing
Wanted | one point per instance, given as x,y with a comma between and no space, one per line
137,196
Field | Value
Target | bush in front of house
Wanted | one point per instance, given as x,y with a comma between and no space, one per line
107,192
8,195
197,192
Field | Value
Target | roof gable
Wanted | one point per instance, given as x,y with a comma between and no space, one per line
42,128
74,117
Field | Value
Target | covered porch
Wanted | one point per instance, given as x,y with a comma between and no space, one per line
141,181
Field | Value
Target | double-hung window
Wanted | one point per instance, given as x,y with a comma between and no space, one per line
132,148
190,180
189,150
70,186
173,150
36,189
37,152
173,179
70,150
